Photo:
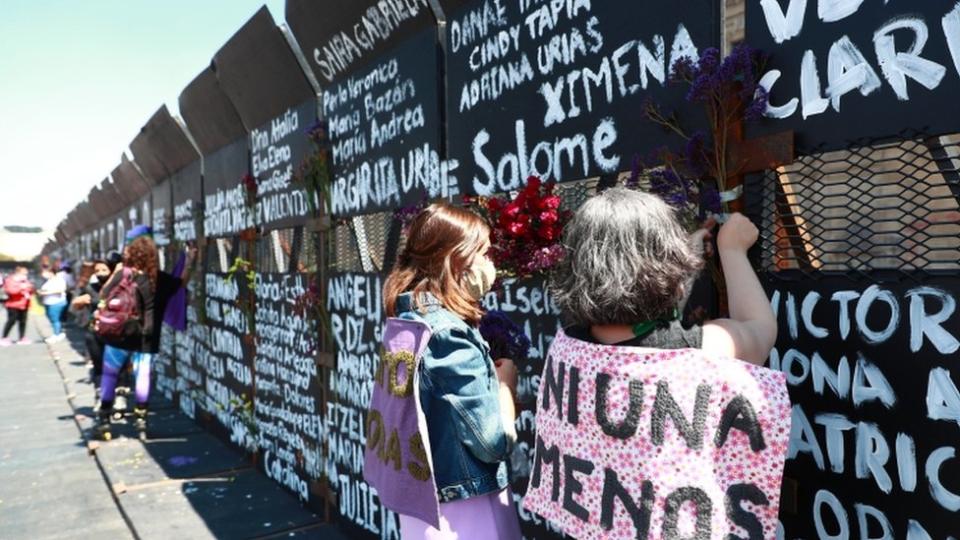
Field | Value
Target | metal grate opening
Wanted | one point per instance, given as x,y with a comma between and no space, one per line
274,251
346,256
377,231
885,207
574,194
218,254
308,260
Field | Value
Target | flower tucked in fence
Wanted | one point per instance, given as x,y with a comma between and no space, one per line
526,230
250,189
506,338
406,214
311,306
729,89
315,174
247,304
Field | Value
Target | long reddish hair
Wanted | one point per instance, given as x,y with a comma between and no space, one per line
141,255
441,244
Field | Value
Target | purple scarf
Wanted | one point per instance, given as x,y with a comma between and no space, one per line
176,313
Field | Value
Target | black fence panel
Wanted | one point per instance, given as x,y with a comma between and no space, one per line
843,71
860,252
558,90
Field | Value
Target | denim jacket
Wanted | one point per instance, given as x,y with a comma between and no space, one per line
459,395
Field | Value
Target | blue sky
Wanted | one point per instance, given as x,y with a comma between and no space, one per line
78,78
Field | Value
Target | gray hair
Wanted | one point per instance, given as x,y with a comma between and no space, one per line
628,260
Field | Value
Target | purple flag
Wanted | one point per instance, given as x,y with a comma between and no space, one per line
176,312
397,461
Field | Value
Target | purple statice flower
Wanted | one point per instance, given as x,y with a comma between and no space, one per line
406,214
758,106
748,61
706,79
709,60
695,153
710,200
317,131
505,337
677,200
659,182
634,181
733,66
671,187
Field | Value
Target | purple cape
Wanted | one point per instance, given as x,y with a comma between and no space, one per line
176,313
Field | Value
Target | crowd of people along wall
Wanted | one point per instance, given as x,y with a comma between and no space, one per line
420,101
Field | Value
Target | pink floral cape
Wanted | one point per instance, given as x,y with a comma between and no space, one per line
673,443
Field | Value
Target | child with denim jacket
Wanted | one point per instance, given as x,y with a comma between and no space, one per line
466,397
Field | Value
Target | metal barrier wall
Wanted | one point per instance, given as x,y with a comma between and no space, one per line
439,99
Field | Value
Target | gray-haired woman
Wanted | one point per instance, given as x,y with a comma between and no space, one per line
658,429
631,264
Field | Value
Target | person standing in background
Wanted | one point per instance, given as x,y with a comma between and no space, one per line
19,292
66,274
87,302
53,294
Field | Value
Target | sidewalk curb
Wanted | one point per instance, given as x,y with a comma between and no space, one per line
92,445
127,459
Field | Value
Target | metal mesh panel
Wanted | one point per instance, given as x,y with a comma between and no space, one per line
308,252
218,255
266,262
274,250
346,257
889,207
574,194
377,228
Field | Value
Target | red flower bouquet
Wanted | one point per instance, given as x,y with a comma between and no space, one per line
250,189
526,231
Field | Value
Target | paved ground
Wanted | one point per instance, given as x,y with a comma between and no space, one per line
180,483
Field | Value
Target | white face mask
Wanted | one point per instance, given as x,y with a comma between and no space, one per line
479,279
94,279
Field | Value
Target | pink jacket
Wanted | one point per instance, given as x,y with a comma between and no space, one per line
19,291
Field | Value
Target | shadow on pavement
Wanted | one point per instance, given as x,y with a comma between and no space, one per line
181,481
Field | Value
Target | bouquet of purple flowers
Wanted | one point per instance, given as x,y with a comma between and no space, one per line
506,338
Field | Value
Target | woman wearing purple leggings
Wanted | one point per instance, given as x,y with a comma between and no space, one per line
154,290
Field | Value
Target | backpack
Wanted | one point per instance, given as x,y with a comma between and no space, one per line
121,317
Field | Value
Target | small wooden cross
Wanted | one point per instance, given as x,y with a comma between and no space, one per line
755,155
758,155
